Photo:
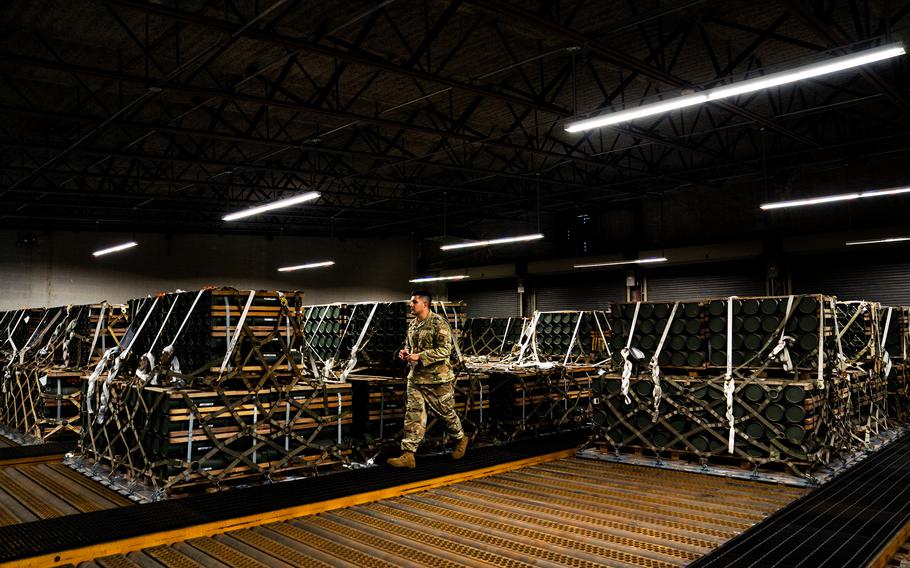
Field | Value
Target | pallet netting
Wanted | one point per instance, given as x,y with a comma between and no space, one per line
773,423
380,404
43,395
491,337
563,338
179,439
534,401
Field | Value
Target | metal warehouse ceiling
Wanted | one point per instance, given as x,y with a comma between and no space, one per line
165,115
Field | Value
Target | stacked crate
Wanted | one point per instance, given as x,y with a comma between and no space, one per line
211,387
793,405
43,395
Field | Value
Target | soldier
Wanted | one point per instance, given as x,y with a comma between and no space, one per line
430,382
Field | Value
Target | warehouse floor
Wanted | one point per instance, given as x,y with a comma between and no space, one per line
568,512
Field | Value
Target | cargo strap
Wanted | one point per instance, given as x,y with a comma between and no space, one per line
528,337
118,363
352,361
505,335
455,319
626,351
233,343
655,366
603,337
886,357
565,361
781,351
104,307
729,382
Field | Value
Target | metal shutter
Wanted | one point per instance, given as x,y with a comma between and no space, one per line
574,292
709,280
853,278
493,299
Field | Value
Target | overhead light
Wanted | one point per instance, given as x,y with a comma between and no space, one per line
117,248
305,266
501,241
280,204
623,262
438,278
878,241
834,198
742,87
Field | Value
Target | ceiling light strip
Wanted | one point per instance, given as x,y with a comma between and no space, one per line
439,278
306,266
116,248
280,204
648,260
834,198
742,87
501,241
878,241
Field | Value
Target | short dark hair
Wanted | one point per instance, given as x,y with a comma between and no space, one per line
423,294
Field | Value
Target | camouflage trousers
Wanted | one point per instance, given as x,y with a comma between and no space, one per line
440,399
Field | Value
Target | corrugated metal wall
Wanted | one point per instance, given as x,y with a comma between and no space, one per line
488,299
709,280
878,278
592,291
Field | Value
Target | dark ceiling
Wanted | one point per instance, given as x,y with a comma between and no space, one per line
431,118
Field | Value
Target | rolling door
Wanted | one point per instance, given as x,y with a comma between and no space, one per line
709,280
493,299
571,292
877,279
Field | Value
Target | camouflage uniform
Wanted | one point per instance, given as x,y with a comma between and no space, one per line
431,380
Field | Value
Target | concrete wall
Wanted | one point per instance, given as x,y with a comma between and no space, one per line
59,268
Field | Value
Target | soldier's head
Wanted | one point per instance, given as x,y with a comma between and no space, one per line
420,303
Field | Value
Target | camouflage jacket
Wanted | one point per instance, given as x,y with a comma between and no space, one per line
432,340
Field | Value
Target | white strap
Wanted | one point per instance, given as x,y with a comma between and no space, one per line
163,324
626,351
729,383
502,347
574,335
104,308
240,322
352,361
186,318
820,379
886,357
781,352
600,330
655,367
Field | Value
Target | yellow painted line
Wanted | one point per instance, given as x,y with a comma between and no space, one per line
126,545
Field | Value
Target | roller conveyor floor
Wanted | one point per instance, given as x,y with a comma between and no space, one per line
569,512
47,490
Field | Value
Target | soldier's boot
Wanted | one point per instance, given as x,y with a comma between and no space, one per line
460,448
405,460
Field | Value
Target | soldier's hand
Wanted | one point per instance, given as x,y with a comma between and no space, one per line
403,354
413,357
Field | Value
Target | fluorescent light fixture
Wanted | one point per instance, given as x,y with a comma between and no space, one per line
439,278
501,241
117,248
742,87
878,241
305,266
281,203
834,198
623,262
